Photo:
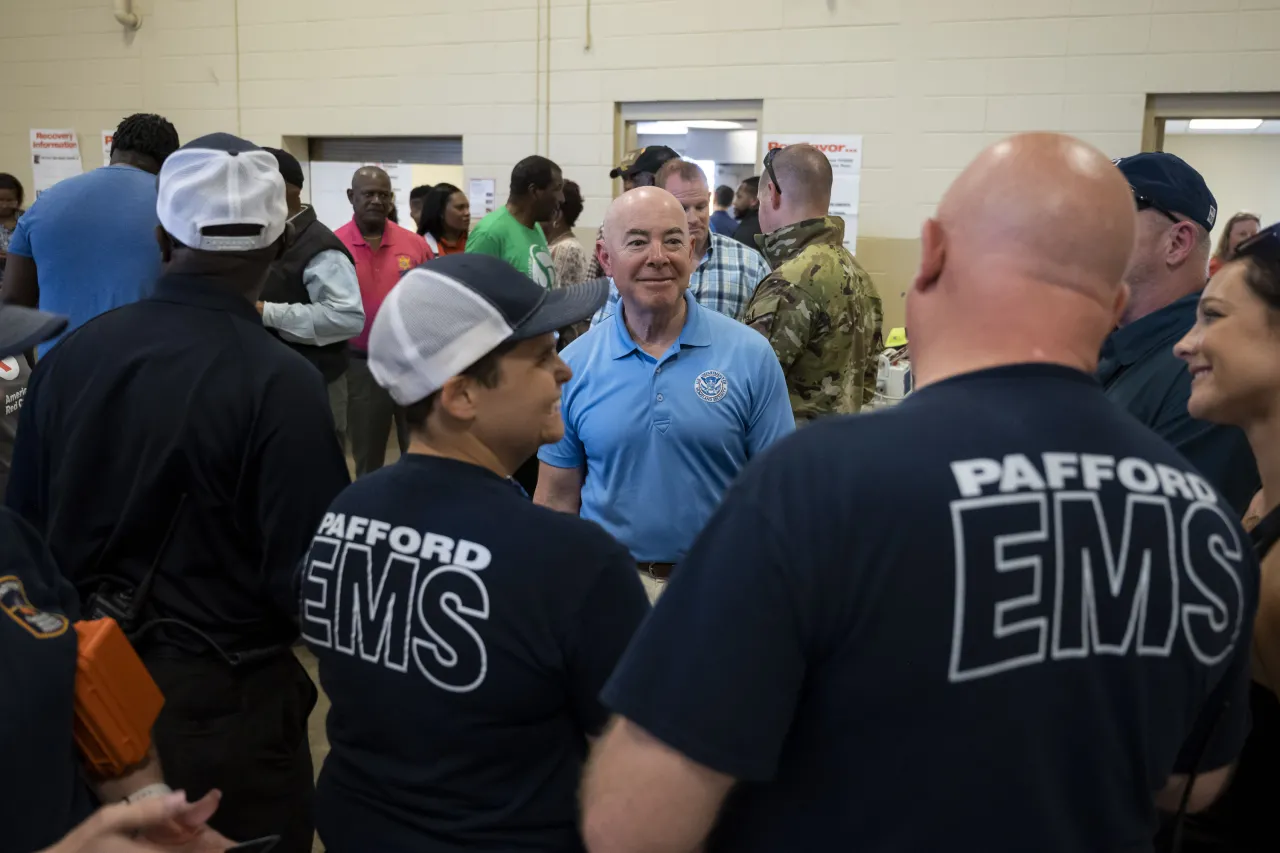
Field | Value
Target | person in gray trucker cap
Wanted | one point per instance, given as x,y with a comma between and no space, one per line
464,699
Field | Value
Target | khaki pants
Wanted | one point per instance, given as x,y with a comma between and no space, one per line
652,586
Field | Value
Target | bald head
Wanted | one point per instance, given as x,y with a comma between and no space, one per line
1024,260
371,199
802,191
370,175
647,250
1047,207
642,207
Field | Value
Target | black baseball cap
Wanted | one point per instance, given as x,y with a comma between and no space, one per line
449,313
23,328
290,168
649,159
1169,183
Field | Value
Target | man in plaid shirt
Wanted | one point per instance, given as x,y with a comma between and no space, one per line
728,271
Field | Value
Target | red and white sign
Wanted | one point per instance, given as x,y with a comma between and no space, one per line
55,155
9,369
107,137
845,154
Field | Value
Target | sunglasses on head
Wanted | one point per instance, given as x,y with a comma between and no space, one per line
1265,244
768,166
1145,203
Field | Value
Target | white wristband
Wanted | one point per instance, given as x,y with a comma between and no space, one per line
159,789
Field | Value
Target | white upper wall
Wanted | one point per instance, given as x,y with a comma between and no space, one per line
927,82
1240,171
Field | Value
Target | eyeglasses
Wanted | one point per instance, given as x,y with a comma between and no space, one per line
1145,203
768,165
1265,244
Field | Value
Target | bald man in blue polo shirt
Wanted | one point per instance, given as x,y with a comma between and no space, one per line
668,401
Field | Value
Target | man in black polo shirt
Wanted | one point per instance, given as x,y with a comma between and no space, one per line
1166,273
176,438
311,300
1003,616
463,632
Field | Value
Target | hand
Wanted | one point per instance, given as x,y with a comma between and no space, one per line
260,304
112,829
188,832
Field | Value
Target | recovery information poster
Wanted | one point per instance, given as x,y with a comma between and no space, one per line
55,155
107,137
845,154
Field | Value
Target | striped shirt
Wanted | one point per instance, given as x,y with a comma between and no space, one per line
723,282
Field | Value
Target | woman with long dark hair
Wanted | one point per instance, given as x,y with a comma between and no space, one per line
446,219
1239,228
1233,353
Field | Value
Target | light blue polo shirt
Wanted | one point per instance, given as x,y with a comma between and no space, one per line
662,439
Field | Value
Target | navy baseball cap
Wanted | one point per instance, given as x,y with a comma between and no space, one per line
1168,183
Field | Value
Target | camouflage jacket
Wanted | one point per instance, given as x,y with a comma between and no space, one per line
822,314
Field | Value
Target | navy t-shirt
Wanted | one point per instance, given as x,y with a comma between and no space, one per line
464,635
990,618
42,792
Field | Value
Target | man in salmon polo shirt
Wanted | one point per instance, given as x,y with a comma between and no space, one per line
383,251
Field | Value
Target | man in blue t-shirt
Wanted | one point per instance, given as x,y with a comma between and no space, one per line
1003,616
668,400
88,244
464,633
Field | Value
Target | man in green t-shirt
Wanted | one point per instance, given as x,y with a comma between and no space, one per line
512,232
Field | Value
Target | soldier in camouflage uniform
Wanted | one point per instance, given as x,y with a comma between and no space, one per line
818,308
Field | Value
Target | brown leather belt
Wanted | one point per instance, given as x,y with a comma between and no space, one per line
657,571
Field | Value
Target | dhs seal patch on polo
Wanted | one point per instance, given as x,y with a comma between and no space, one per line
711,386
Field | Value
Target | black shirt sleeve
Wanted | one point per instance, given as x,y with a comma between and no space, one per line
22,494
300,470
613,609
717,669
26,555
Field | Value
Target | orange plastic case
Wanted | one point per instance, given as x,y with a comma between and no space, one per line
117,701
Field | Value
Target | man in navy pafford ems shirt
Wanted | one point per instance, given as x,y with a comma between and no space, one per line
464,633
1004,616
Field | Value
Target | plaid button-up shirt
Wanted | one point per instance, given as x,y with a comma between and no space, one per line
723,282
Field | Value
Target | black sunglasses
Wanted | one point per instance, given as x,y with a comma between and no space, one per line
1265,244
768,165
1145,203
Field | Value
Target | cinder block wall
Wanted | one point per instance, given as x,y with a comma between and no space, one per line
927,82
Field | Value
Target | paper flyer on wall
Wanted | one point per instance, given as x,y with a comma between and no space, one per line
483,196
55,155
845,155
108,136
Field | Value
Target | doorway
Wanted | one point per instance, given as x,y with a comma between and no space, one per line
722,137
1233,140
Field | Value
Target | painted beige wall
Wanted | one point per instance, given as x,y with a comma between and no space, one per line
1243,172
927,82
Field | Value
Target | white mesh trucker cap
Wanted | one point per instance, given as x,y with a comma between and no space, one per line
221,179
449,313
